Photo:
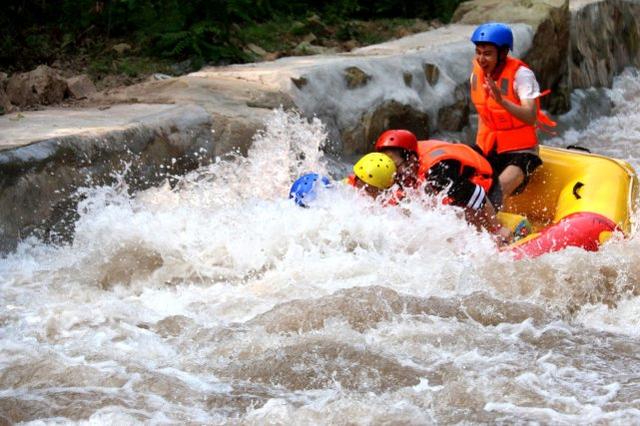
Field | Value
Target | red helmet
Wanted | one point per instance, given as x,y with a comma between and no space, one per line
397,139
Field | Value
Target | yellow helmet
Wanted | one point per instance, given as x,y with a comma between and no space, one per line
376,169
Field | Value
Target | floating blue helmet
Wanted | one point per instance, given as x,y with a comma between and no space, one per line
303,189
494,33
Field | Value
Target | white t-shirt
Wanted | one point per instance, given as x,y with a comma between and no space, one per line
525,84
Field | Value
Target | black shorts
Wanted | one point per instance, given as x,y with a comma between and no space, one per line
525,161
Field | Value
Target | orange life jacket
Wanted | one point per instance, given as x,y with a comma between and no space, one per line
497,128
431,152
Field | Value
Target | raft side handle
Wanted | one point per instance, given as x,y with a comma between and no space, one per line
576,188
578,148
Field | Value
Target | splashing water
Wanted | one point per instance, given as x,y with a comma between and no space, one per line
221,301
617,134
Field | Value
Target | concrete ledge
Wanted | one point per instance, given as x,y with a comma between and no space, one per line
38,181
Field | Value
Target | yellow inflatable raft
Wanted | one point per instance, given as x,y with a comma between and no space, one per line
574,199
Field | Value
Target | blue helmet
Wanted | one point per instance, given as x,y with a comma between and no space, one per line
494,33
303,189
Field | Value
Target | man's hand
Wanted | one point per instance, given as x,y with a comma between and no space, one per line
492,89
503,236
527,111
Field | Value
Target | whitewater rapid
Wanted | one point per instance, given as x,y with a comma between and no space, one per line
218,300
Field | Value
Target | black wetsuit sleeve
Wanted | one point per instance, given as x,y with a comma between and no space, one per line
446,176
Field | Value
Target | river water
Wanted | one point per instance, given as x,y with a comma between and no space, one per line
220,301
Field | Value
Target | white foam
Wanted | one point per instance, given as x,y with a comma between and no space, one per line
151,300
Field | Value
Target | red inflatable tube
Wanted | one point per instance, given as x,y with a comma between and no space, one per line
576,230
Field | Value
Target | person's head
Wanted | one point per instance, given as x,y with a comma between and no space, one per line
304,188
401,146
374,173
493,41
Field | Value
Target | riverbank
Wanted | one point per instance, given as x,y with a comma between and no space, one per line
69,76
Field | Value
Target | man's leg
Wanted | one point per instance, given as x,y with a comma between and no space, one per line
510,178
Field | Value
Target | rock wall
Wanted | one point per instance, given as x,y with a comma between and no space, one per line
38,182
417,82
605,38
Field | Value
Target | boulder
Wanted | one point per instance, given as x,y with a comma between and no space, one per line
349,45
604,40
233,134
59,150
310,38
160,76
550,21
407,77
5,104
41,86
299,82
389,115
355,77
254,48
306,48
121,48
432,73
314,24
80,87
532,12
455,117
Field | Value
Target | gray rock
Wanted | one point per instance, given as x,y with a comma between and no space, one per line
299,82
454,117
407,77
355,77
389,115
160,76
121,48
52,168
605,38
432,73
254,48
80,87
5,103
41,86
271,100
306,48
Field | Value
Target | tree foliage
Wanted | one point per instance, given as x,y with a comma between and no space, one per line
36,31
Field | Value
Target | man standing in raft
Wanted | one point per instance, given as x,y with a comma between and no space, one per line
506,95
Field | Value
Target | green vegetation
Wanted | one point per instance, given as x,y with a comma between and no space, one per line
200,31
130,66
